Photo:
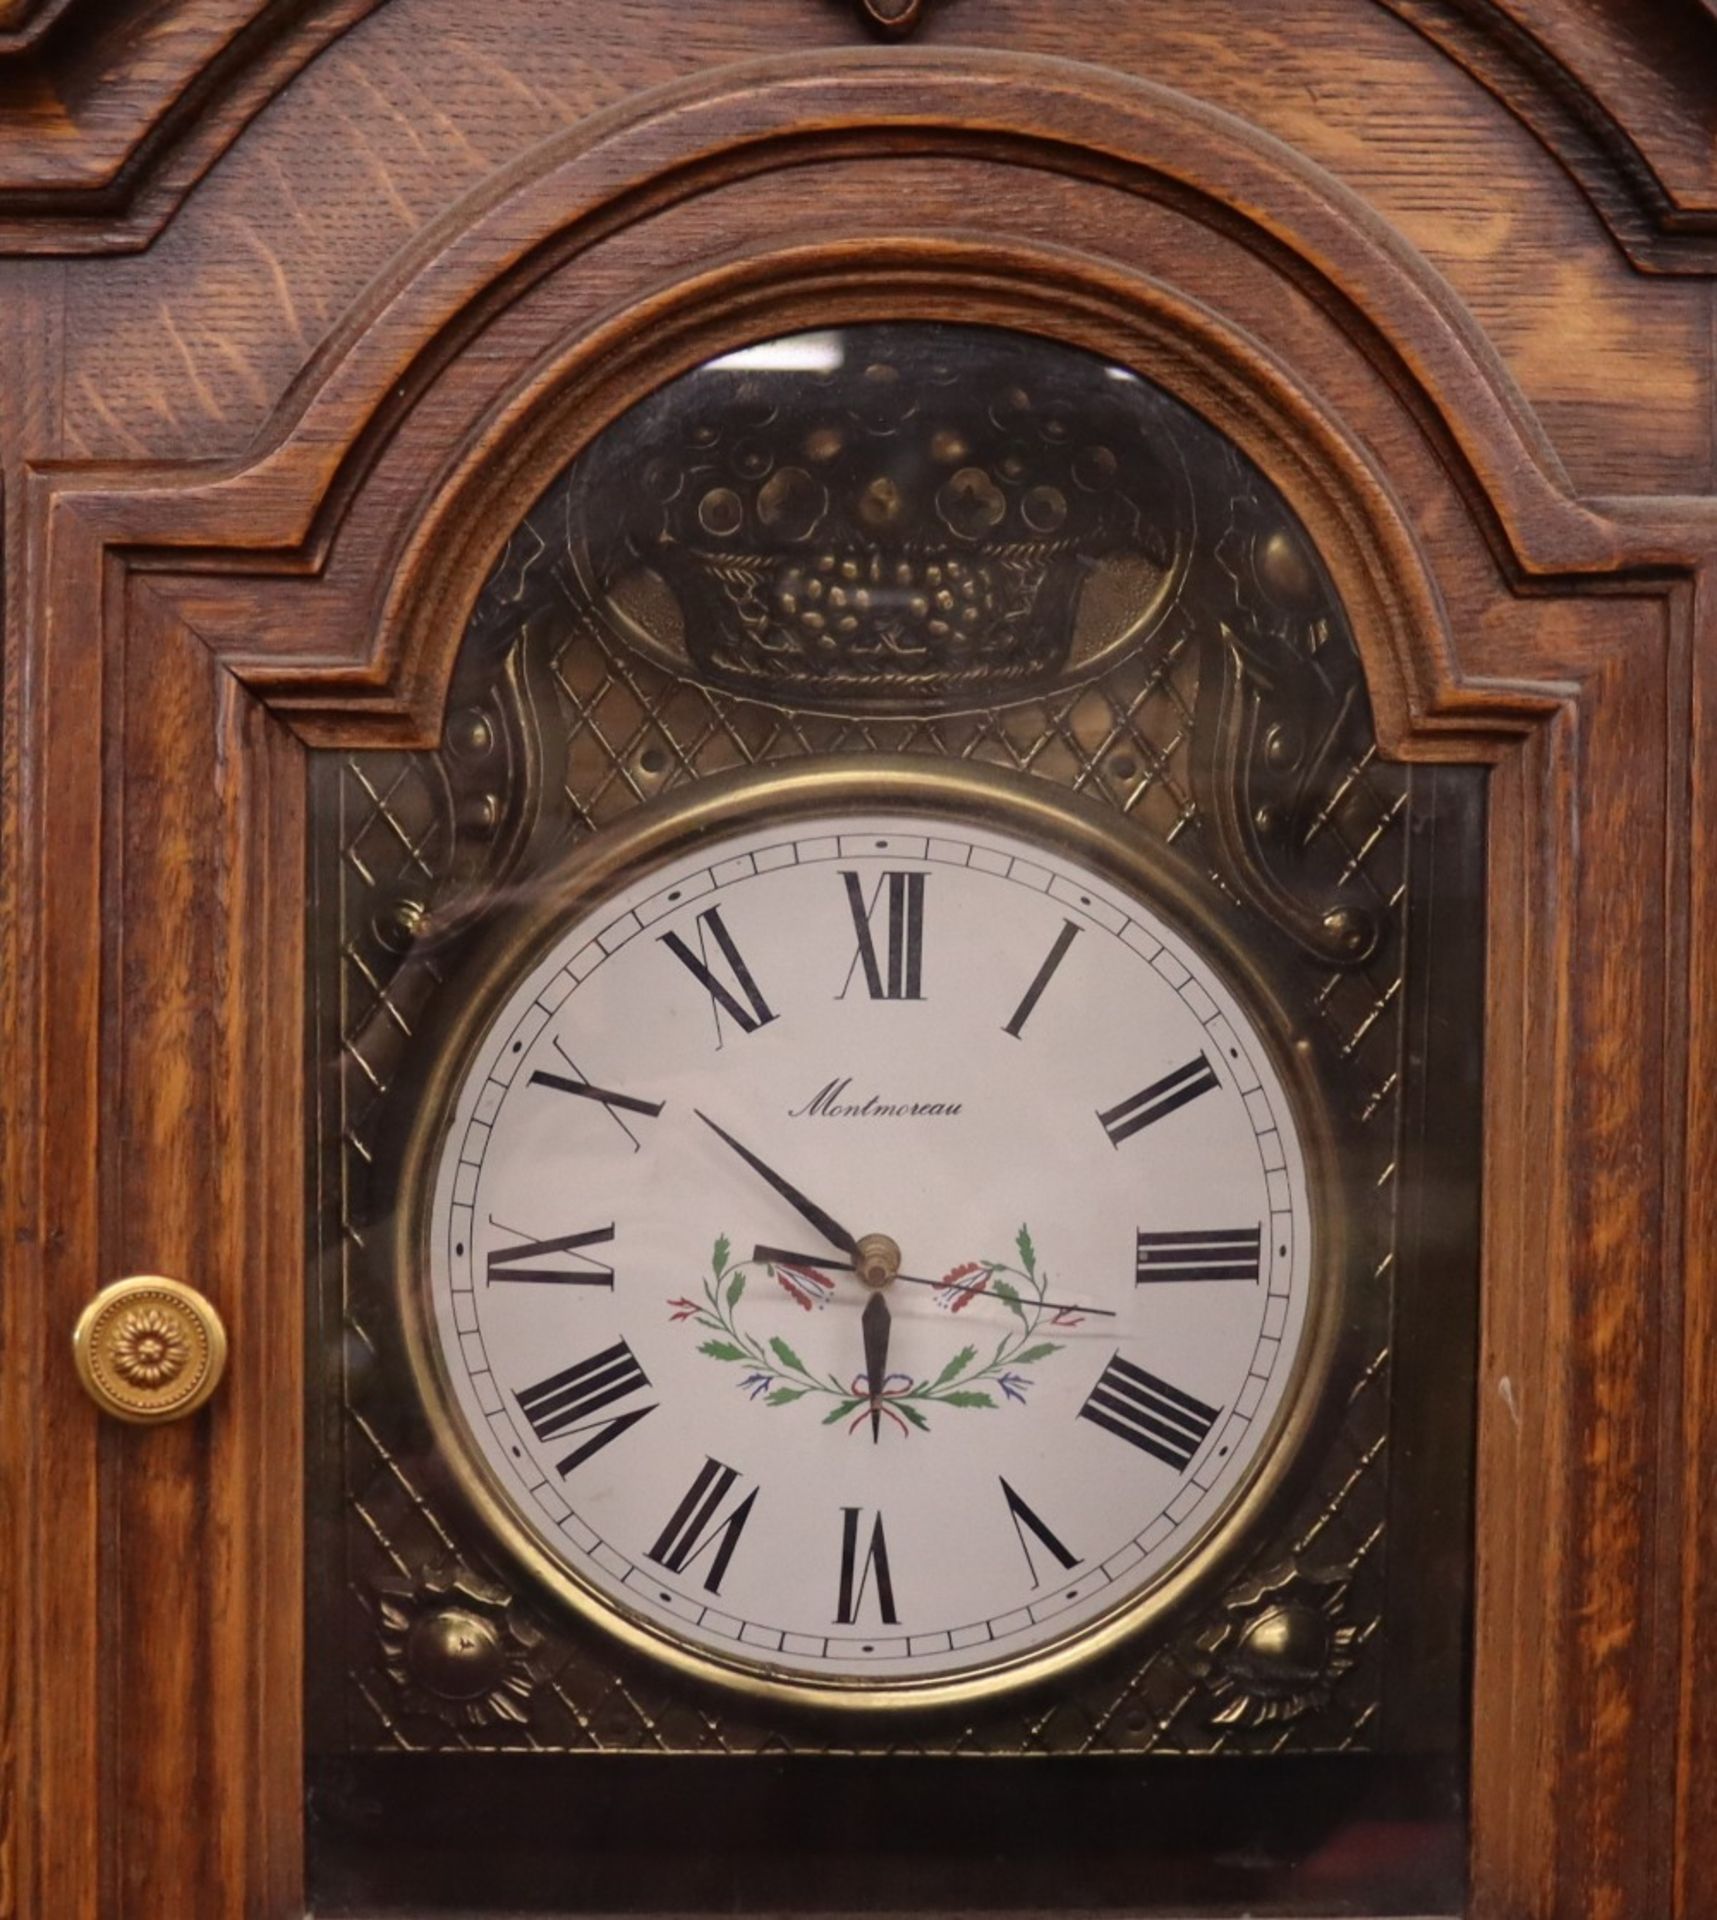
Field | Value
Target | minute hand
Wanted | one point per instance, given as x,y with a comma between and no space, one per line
826,1225
780,1257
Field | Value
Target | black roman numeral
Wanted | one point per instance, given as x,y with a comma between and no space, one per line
1149,1413
1158,1100
694,1529
856,1573
615,1102
1025,1520
510,1263
615,1105
1034,993
1226,1253
737,996
903,914
567,1401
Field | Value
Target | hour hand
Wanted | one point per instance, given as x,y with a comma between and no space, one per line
808,1210
876,1325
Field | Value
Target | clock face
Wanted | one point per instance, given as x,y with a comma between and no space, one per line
867,1250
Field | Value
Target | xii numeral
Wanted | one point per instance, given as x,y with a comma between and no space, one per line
1226,1253
720,969
858,1569
1148,1413
569,1402
696,1530
897,971
1158,1100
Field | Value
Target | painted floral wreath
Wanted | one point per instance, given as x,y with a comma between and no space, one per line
775,1374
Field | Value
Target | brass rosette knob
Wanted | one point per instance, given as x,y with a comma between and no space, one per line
149,1349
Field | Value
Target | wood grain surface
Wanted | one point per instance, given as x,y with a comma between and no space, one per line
267,411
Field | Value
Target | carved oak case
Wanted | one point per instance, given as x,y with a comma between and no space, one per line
372,543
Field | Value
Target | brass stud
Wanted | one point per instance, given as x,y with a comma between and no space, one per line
1284,1647
456,1653
1351,931
1281,748
653,765
482,816
398,927
1285,571
471,735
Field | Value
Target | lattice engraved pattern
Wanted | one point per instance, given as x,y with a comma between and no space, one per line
410,836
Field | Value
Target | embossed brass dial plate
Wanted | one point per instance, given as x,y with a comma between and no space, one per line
1156,636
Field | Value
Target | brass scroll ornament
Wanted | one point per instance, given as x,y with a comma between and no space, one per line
149,1349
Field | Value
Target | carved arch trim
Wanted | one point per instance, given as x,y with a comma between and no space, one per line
1425,709
692,141
123,154
1595,114
130,105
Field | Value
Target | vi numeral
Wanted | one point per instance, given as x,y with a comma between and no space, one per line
699,1527
572,1401
895,969
860,1565
1149,1414
720,969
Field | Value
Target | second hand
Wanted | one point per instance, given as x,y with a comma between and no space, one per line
782,1257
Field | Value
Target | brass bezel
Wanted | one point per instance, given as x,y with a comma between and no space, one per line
872,783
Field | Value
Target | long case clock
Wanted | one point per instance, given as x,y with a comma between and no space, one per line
1000,605
853,905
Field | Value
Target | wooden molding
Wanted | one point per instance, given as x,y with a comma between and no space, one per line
111,115
1627,107
117,112
24,22
185,624
496,251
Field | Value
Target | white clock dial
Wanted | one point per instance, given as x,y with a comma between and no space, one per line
869,1028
